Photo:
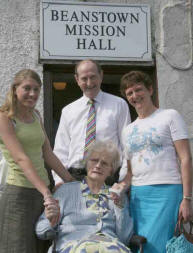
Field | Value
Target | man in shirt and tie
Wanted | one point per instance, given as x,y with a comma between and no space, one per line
95,116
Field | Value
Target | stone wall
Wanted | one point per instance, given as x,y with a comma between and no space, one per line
19,41
174,57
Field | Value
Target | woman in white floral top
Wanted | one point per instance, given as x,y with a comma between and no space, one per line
159,164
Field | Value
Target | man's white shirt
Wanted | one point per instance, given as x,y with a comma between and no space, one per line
112,115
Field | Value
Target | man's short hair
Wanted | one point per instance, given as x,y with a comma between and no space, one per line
88,60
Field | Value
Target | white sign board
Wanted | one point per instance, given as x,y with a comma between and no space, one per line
106,32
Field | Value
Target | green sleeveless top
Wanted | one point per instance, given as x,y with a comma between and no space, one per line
31,137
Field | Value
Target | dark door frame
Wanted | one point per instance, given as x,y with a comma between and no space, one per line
51,70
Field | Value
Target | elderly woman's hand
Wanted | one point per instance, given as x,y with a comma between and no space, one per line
117,193
52,210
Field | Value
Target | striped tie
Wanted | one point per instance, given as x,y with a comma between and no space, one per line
91,127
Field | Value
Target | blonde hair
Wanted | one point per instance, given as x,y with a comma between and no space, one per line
9,106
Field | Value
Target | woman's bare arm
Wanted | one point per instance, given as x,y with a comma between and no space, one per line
184,154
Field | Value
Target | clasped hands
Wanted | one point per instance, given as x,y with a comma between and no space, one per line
52,210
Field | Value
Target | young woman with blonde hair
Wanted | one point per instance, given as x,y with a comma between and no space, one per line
25,147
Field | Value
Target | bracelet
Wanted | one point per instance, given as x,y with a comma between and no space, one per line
188,197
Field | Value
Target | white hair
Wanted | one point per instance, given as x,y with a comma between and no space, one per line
105,147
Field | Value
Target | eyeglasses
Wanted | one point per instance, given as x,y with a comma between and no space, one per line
102,162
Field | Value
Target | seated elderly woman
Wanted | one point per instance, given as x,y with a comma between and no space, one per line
89,220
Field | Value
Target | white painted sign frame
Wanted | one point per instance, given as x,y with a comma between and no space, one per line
101,31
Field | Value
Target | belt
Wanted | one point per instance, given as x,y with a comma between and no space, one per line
77,171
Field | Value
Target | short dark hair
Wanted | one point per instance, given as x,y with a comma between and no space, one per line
88,60
134,77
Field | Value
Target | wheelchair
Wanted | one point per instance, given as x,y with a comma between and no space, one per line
137,242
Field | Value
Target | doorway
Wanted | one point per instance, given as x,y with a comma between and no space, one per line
60,89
